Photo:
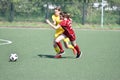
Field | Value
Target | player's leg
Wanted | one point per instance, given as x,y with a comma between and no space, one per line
77,48
57,33
68,45
57,41
56,48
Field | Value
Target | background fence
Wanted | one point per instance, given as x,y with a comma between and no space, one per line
82,12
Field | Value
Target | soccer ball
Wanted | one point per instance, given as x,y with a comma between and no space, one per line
13,57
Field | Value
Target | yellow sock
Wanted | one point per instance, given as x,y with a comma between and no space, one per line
69,45
57,49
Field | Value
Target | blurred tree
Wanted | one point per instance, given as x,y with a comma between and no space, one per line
4,6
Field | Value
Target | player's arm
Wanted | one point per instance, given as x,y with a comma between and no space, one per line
53,26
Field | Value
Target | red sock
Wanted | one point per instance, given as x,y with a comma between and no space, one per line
77,48
60,46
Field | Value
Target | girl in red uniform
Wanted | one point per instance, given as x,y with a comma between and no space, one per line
69,32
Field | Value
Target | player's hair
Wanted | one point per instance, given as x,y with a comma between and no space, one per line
58,8
65,14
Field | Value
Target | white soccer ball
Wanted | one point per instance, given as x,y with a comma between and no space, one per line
13,57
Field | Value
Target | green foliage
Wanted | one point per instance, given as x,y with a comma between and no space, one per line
111,19
75,10
93,17
28,7
28,10
4,7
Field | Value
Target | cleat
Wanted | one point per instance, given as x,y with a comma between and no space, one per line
58,56
61,52
79,55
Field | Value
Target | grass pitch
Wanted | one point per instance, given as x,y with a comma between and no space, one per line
99,61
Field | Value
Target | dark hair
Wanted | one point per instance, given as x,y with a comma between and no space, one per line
65,14
58,8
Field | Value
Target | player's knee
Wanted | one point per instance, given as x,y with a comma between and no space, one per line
74,44
54,45
56,41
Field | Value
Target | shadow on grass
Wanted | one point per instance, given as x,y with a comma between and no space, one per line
52,56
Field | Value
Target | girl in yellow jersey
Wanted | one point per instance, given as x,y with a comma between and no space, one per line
59,31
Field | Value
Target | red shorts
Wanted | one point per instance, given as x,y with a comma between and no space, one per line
72,37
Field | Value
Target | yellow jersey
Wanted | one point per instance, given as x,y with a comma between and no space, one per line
60,30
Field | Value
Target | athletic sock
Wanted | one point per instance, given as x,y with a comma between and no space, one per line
60,46
57,49
70,46
78,49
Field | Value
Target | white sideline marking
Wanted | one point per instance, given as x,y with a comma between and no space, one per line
5,42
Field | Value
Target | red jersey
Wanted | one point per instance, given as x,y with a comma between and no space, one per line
66,25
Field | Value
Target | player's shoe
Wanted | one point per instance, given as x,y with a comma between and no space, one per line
79,55
74,51
59,55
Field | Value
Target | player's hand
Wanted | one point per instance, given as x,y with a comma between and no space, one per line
52,25
47,20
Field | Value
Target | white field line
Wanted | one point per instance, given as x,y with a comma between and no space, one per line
5,42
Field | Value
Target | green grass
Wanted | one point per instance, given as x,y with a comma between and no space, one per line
23,24
100,59
31,24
